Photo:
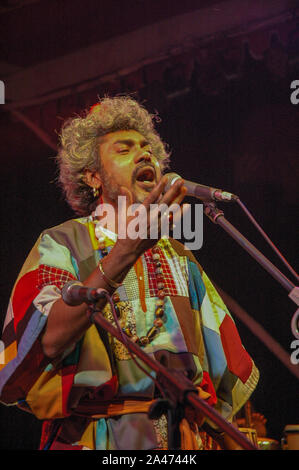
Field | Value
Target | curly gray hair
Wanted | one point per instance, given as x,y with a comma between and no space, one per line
79,140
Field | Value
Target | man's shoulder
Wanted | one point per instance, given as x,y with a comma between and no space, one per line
181,250
69,232
67,226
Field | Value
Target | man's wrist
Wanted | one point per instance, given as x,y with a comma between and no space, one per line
124,257
111,283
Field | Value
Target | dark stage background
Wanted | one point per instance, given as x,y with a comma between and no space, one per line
229,121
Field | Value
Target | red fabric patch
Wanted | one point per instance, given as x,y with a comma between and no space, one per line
168,280
25,292
47,427
48,276
24,376
97,397
29,286
207,386
238,360
108,390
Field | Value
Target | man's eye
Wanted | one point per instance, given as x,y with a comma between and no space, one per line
123,150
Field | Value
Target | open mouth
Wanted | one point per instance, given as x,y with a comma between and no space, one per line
146,176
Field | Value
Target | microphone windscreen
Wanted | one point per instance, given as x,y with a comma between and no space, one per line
68,294
172,178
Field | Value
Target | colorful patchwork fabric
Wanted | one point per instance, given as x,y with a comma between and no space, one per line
71,394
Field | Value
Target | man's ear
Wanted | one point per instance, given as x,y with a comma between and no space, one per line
93,179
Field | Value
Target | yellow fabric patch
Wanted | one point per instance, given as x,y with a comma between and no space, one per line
44,398
93,357
8,354
93,238
89,436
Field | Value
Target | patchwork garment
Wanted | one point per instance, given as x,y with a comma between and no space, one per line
95,396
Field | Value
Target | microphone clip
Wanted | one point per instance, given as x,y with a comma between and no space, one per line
212,211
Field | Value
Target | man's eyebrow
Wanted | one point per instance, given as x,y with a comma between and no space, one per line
130,142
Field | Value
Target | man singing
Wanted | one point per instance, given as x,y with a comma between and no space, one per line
83,383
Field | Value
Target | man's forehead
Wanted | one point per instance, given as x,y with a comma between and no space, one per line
123,135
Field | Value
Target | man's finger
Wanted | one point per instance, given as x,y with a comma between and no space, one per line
176,191
179,198
155,194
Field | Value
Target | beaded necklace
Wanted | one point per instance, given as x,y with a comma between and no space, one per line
159,305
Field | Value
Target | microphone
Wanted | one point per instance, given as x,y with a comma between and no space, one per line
205,193
74,293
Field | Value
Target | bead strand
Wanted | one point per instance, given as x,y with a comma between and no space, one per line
159,305
159,311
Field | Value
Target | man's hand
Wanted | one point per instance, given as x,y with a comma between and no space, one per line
150,220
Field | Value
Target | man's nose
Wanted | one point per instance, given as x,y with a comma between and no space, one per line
143,155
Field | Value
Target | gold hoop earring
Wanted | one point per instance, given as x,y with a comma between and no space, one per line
95,192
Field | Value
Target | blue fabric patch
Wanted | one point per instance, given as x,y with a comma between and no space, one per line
75,264
215,355
101,435
197,288
31,333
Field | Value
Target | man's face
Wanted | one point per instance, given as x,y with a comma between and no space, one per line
126,160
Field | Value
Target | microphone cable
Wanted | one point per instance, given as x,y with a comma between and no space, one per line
265,236
126,342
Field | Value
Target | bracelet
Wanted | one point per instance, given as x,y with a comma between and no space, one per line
109,281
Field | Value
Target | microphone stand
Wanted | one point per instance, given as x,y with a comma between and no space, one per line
179,390
217,216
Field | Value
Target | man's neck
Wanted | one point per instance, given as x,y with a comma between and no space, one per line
107,215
